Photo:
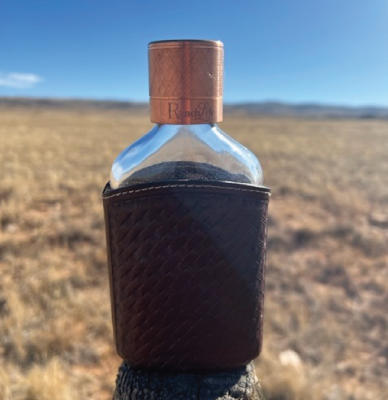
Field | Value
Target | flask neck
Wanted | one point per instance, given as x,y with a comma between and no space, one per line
199,130
189,126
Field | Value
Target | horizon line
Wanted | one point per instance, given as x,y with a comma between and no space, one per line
227,103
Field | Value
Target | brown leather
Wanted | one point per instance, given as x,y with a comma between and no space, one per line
186,266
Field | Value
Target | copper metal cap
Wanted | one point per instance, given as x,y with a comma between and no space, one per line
186,81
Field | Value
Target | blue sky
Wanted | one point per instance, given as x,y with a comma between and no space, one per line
331,51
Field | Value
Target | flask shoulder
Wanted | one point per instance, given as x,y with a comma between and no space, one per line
244,156
185,152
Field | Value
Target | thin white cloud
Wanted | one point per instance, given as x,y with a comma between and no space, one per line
19,80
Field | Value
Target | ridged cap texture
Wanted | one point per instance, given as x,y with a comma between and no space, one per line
186,81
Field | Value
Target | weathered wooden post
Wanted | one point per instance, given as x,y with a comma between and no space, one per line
141,384
186,218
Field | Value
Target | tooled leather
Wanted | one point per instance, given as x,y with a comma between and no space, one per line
187,265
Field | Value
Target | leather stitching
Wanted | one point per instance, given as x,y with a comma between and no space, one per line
181,186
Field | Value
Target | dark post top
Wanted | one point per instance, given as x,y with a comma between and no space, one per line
142,384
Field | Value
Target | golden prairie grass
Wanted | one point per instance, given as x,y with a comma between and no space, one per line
327,275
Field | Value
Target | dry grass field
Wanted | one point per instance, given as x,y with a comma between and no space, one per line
326,313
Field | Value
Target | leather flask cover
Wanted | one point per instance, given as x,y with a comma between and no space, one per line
186,266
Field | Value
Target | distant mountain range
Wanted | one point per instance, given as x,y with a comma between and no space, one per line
310,110
70,104
272,108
